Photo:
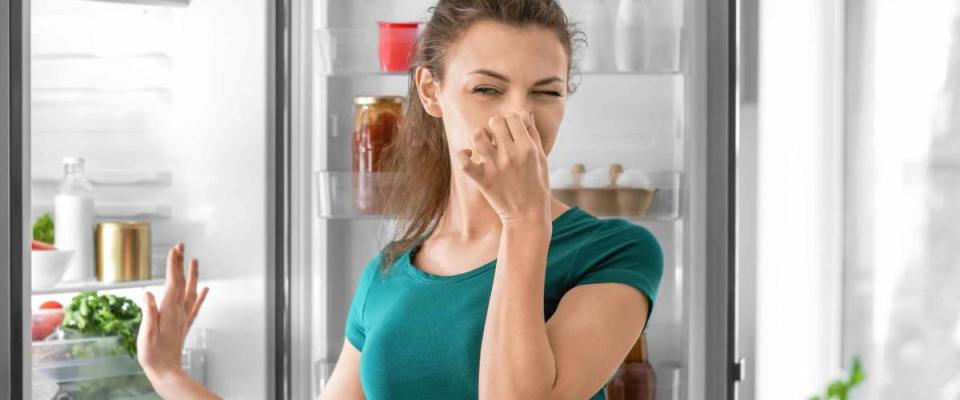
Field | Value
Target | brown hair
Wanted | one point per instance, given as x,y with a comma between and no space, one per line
418,158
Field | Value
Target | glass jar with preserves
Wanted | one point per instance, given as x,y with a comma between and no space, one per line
375,124
635,379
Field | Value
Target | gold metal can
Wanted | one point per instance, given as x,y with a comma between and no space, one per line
123,251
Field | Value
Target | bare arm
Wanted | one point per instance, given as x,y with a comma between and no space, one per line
516,360
570,356
522,356
344,383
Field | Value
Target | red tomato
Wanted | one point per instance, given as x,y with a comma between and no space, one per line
51,305
38,245
46,321
56,319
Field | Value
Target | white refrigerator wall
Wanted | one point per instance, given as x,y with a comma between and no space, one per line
176,96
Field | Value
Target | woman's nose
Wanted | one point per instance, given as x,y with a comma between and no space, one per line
523,108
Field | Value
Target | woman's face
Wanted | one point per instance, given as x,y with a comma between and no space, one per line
495,69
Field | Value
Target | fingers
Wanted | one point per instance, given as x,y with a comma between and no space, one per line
471,168
195,308
519,130
501,133
191,292
482,146
150,315
175,279
535,134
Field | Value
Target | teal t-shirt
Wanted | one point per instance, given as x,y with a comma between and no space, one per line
420,334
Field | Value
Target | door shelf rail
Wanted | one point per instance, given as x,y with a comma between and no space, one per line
351,195
77,287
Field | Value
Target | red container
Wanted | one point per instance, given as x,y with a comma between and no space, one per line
397,41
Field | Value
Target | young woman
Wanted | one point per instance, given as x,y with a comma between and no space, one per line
491,289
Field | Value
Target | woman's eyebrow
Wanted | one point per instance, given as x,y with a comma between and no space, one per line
501,77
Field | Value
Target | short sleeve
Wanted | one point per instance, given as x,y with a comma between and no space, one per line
355,329
621,252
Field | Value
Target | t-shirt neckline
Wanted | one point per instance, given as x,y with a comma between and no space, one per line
433,278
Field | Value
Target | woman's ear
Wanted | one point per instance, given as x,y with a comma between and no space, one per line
427,88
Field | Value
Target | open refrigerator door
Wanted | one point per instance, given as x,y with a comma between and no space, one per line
640,112
165,102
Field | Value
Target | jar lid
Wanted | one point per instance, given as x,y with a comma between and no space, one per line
124,224
367,100
389,24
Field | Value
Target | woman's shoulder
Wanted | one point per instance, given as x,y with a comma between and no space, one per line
599,238
588,229
617,250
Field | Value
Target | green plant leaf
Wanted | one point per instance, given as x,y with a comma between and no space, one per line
43,229
837,389
856,373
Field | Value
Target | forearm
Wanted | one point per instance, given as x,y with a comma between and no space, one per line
516,359
179,385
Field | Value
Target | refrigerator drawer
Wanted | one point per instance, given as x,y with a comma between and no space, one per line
95,367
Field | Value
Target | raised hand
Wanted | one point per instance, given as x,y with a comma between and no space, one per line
511,170
164,328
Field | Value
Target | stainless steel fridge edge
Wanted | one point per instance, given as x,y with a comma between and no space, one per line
278,198
14,198
302,285
720,273
746,196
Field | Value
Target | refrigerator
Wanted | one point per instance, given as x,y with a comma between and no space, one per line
227,125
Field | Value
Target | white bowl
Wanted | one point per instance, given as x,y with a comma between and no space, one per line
48,266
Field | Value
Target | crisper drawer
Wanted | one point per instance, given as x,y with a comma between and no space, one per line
94,368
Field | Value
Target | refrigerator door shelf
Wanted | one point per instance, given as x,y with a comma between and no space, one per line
657,200
350,51
77,287
109,177
350,195
173,3
127,211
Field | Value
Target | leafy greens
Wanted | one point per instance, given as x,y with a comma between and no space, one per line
105,315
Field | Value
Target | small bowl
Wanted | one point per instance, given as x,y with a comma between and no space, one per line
48,266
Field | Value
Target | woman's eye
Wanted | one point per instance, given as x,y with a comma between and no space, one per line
550,93
486,91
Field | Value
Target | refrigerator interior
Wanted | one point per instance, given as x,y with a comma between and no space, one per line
166,102
648,119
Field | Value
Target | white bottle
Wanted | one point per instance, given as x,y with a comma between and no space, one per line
73,220
662,37
597,25
629,40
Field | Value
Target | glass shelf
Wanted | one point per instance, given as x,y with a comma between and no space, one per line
167,3
52,177
349,195
353,53
118,210
77,287
358,73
